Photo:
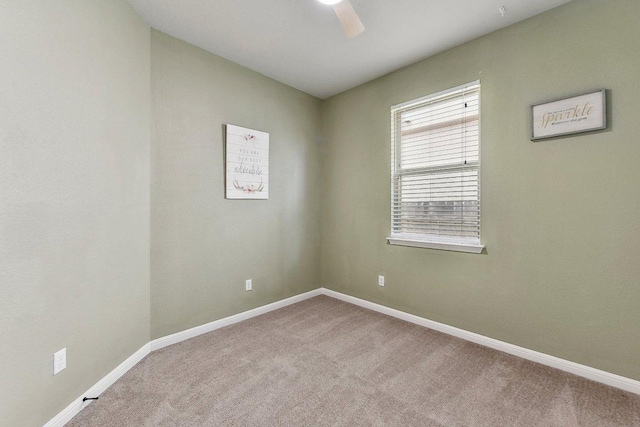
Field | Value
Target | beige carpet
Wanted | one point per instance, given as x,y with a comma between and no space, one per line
323,362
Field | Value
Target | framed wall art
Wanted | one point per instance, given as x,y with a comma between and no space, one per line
247,163
577,114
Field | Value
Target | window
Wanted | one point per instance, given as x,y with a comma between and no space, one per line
435,171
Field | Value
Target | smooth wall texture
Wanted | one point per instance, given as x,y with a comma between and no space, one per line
74,198
204,247
559,217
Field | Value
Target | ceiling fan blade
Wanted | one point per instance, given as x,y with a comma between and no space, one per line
348,18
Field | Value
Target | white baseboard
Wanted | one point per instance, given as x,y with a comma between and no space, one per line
77,405
221,323
597,375
588,372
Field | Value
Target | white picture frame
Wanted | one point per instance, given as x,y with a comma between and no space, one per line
247,163
568,116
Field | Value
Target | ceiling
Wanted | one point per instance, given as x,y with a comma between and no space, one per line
301,43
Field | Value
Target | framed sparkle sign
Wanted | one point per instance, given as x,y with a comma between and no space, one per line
581,113
247,163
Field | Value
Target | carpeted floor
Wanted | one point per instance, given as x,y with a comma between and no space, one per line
323,362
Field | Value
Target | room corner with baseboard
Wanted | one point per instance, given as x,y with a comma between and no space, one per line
127,274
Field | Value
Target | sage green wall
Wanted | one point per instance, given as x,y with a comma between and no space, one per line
74,198
203,247
559,218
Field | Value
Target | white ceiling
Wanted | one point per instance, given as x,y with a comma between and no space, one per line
301,42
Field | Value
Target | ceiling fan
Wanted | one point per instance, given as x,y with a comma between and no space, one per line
347,16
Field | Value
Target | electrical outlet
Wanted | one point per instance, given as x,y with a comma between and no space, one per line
380,280
59,361
248,285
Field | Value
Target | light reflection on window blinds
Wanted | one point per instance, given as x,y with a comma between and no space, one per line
435,170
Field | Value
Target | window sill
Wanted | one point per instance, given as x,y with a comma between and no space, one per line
444,246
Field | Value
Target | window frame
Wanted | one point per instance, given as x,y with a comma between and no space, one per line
441,242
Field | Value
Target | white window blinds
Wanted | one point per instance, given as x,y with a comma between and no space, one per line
436,167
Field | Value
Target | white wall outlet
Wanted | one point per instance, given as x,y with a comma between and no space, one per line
59,361
248,285
380,280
